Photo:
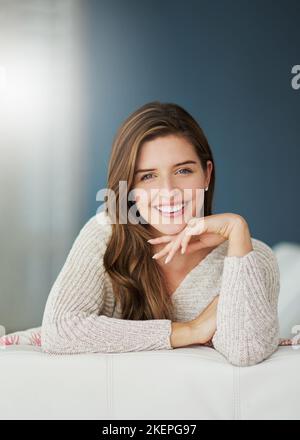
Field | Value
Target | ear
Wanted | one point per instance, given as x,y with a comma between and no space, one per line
209,168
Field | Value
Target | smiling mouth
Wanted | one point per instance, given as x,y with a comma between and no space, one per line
171,210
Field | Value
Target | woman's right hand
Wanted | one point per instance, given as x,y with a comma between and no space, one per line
205,325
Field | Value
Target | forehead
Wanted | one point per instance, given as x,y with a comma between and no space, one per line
165,150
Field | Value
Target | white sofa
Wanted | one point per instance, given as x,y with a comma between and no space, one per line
185,383
288,257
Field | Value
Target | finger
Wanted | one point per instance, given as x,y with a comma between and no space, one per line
163,252
184,243
174,248
163,239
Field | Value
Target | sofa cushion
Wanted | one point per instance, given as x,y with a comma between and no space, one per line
288,257
187,383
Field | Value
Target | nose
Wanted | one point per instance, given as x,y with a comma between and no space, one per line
167,192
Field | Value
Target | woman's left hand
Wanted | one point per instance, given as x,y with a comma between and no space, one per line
210,231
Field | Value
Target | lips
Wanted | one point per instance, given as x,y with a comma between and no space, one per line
171,210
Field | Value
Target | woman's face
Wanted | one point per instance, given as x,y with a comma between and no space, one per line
169,183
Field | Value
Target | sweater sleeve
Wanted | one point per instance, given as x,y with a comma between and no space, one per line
247,317
72,320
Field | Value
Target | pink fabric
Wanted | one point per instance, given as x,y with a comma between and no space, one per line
32,336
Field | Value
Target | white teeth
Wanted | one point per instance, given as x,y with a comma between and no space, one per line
170,208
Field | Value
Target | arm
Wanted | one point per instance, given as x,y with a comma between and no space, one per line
247,319
72,322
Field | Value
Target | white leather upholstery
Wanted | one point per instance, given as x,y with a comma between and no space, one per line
184,383
288,257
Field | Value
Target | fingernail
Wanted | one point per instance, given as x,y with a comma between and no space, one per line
182,251
149,240
154,256
167,260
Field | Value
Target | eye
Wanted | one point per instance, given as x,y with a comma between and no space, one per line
143,178
186,169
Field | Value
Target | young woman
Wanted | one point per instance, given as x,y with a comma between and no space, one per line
173,278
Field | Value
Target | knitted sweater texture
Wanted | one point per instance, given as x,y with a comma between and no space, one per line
81,314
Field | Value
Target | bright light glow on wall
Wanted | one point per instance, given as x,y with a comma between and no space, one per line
2,79
25,88
42,146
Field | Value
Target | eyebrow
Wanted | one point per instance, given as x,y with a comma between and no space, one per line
176,165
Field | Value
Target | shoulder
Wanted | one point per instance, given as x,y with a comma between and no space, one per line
262,249
99,222
261,261
94,234
266,258
262,256
263,252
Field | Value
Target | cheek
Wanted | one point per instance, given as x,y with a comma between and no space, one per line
143,202
194,192
198,202
147,197
143,198
196,181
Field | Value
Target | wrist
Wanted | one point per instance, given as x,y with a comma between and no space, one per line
181,334
239,241
198,332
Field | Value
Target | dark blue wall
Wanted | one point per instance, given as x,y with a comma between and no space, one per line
229,64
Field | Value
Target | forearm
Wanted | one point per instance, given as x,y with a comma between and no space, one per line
100,333
247,321
197,331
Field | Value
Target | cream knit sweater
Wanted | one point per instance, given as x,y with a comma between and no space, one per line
80,314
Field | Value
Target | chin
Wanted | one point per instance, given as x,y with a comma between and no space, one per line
169,229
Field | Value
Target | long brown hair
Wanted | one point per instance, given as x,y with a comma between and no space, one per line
137,280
